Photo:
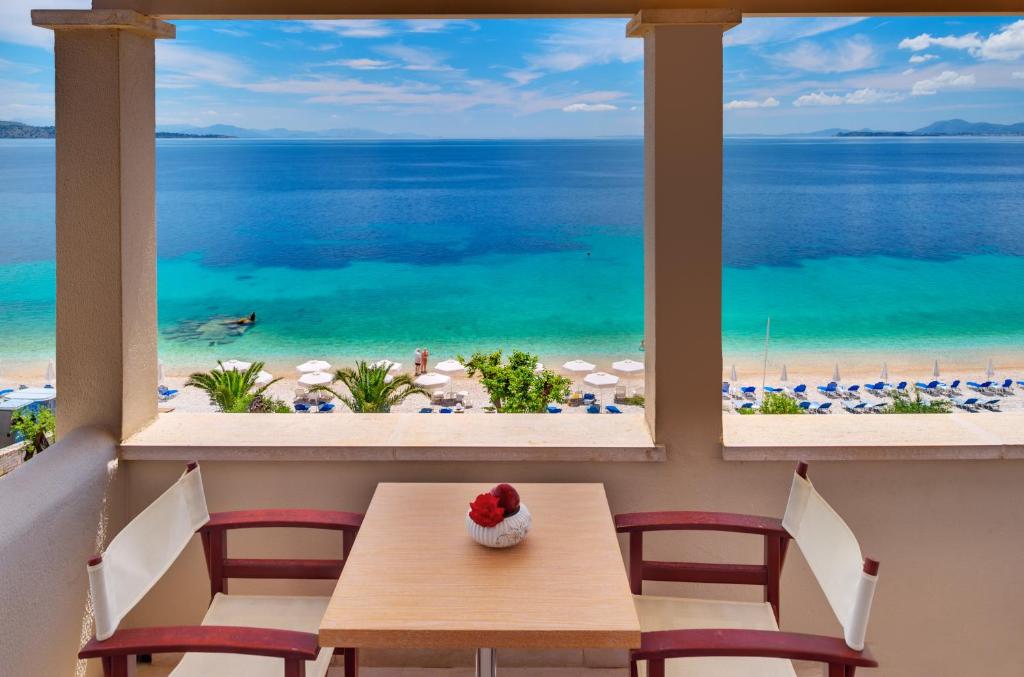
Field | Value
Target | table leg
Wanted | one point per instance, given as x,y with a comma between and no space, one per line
486,663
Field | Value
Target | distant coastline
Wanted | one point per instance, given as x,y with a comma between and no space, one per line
942,128
19,130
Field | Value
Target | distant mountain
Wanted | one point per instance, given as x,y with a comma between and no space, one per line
281,133
19,130
950,128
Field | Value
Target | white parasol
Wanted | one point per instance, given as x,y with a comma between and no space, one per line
313,366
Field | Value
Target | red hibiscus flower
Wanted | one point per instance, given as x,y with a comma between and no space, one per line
508,498
485,510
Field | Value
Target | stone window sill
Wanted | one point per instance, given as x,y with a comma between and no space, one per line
394,437
872,437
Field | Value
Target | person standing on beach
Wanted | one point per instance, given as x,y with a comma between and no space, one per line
423,360
416,361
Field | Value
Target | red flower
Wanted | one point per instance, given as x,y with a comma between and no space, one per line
508,498
485,510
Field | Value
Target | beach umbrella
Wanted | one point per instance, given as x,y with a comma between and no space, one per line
235,365
885,372
835,373
990,371
628,366
578,366
263,378
539,368
732,374
160,372
51,372
449,366
783,377
601,379
935,370
313,366
392,366
431,380
315,378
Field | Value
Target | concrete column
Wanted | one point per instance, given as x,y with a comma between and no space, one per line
106,217
683,218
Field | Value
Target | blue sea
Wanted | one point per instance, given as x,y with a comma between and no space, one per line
369,249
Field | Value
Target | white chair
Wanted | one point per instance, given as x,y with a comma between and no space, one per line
240,635
683,637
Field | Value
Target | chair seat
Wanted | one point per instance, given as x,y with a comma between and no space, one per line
679,613
257,611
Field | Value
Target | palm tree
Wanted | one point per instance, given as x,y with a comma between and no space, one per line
372,390
234,391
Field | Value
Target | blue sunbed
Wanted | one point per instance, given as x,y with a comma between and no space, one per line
299,406
968,404
773,389
991,405
326,408
552,409
426,410
831,390
444,410
593,409
612,409
824,407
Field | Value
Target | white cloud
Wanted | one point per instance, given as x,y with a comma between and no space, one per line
180,65
764,31
868,96
588,107
233,32
363,64
908,71
1005,45
416,58
852,54
818,99
16,21
523,77
858,97
436,25
922,58
351,28
26,102
585,43
741,104
946,80
926,41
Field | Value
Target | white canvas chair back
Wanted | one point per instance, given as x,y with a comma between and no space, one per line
834,556
143,551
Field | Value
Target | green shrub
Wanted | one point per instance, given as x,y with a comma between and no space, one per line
902,404
513,386
777,403
36,429
634,400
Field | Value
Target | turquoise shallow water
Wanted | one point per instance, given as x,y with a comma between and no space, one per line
370,249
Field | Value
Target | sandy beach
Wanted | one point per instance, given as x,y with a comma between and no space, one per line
808,369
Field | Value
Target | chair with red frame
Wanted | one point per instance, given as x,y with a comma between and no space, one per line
682,637
240,635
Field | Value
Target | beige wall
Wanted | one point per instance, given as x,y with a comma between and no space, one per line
948,535
49,511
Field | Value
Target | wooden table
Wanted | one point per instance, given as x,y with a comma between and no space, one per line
414,578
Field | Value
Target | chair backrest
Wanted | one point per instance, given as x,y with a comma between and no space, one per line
831,550
144,550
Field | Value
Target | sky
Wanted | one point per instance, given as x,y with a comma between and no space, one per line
546,78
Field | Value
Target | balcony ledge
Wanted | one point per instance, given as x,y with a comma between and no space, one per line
872,437
393,437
